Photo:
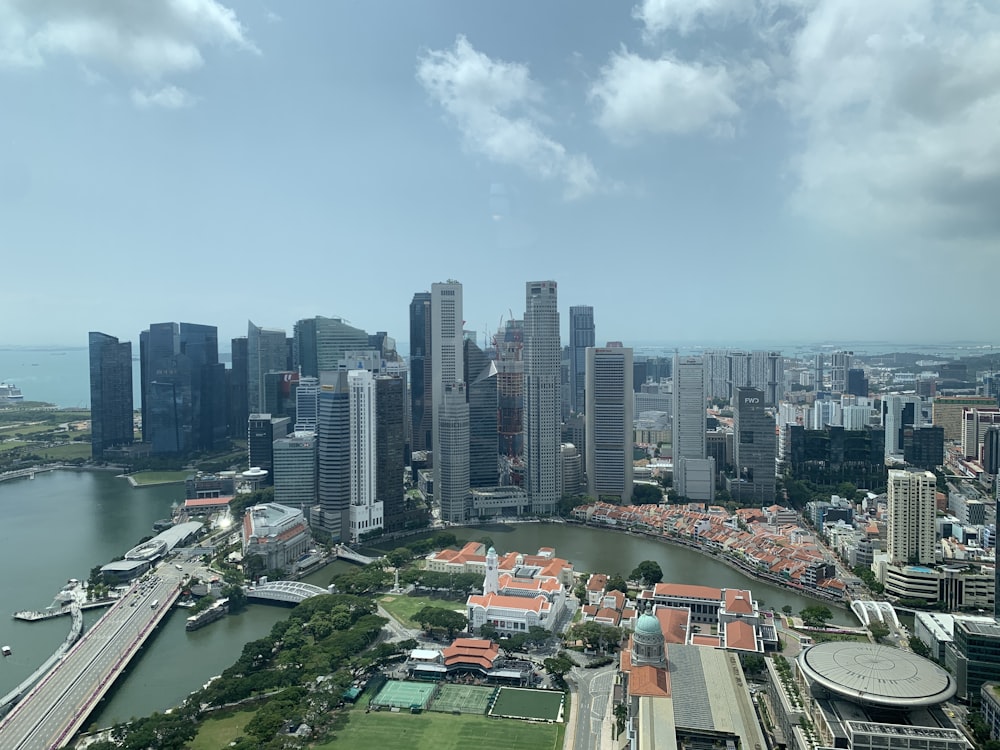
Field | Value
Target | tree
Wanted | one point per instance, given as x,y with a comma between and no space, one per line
752,663
816,616
787,609
646,494
439,617
558,666
918,647
488,631
399,557
648,571
879,631
617,583
596,636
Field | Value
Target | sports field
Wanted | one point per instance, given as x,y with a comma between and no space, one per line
526,703
404,694
467,699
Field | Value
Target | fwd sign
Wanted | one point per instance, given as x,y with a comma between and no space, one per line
751,400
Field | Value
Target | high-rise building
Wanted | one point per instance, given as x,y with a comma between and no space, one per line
110,393
975,422
451,457
947,412
421,381
911,512
755,448
581,336
307,405
480,375
694,473
200,344
757,369
156,344
319,343
295,470
608,415
857,383
542,360
267,351
991,451
818,373
335,455
898,412
390,443
446,356
510,390
840,363
923,447
262,431
366,510
239,389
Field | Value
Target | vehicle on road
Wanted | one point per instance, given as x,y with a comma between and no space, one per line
153,604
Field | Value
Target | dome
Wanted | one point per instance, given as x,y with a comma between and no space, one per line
491,551
648,625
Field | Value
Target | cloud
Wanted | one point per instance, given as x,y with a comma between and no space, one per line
168,97
637,95
145,39
898,105
685,16
494,104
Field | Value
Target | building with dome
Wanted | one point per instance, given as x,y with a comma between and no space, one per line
683,696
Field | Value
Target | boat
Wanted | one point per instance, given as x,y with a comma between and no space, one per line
10,392
6,651
163,524
216,612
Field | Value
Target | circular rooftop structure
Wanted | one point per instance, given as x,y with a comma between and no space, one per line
877,675
648,625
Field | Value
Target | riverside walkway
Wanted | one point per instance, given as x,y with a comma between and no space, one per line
58,705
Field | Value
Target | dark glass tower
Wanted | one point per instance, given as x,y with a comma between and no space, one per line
110,393
238,390
581,335
481,391
421,406
335,455
390,404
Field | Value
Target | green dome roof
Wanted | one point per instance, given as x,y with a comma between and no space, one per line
648,625
491,551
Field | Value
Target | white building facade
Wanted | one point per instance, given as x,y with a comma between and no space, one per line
366,511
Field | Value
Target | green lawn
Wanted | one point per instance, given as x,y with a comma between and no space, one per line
214,734
403,607
9,445
64,452
143,478
433,731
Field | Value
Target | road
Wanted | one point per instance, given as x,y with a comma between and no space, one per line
593,689
53,711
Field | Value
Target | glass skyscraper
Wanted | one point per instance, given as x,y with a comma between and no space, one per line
110,392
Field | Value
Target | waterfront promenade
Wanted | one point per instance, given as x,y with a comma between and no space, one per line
55,709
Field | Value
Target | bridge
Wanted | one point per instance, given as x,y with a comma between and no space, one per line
346,553
57,706
75,628
882,612
284,592
29,472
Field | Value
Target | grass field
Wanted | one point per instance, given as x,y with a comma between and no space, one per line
64,452
527,703
433,731
9,445
469,699
143,478
404,607
217,733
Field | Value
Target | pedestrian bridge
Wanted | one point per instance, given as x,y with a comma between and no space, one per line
284,592
869,611
346,553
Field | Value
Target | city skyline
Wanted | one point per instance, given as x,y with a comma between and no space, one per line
735,146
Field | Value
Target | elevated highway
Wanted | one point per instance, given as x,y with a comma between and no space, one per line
76,627
58,705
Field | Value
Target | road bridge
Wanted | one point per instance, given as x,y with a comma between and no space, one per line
58,705
284,592
75,628
346,553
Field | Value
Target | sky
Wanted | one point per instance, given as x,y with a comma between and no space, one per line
696,170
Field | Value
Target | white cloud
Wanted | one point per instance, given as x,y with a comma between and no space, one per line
494,105
899,105
684,16
168,97
637,95
145,39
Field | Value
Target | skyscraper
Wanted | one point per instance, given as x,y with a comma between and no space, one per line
609,422
295,471
238,389
366,510
446,356
581,336
694,473
307,405
110,393
267,351
451,457
911,515
421,381
390,409
262,431
335,455
319,343
840,363
755,448
542,359
480,375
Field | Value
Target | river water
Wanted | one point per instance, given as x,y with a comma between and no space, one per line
60,524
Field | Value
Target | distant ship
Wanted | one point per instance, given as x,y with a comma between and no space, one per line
10,392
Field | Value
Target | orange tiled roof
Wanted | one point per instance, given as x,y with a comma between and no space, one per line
651,681
706,640
536,604
740,635
673,623
471,651
738,602
687,590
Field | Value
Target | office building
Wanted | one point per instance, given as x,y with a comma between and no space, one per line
200,343
857,383
757,369
911,512
923,447
975,422
581,336
973,656
446,356
390,445
991,451
239,385
833,455
572,463
295,470
694,473
262,431
542,358
510,391
421,382
755,449
947,411
840,363
366,510
480,376
608,415
451,458
334,463
111,423
898,412
319,343
855,417
307,405
267,351
716,373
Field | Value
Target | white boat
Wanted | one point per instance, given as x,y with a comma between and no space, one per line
6,651
10,392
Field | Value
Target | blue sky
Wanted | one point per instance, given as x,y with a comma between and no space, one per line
697,170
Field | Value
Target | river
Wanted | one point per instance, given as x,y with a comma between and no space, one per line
60,524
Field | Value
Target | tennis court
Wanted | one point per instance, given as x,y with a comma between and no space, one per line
526,703
401,694
466,699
